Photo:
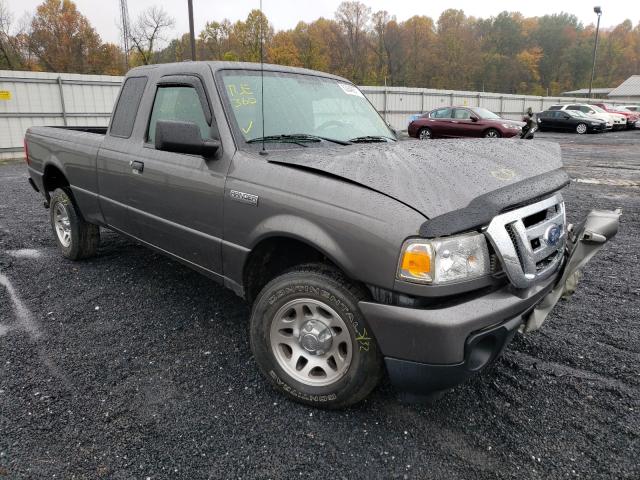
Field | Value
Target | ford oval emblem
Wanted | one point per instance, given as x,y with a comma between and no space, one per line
553,234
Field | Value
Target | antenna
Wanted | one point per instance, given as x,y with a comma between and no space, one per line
263,151
126,31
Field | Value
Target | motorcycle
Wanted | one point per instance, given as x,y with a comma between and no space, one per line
530,128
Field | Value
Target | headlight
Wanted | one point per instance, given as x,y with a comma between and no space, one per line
513,127
444,260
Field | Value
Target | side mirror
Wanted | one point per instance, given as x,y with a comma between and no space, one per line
183,137
474,118
566,116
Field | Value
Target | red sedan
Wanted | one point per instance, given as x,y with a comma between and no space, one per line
455,122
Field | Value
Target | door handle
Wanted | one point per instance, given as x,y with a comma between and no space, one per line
136,166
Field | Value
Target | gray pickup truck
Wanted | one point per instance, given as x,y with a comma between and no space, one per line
360,254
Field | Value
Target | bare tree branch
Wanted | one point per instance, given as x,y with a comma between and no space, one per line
148,30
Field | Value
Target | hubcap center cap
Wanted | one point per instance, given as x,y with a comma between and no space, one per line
315,337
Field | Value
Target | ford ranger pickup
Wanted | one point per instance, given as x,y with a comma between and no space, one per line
360,254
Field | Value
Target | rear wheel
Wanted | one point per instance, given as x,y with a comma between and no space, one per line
311,341
492,133
581,128
425,134
76,238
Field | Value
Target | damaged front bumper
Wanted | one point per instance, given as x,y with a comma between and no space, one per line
583,243
427,350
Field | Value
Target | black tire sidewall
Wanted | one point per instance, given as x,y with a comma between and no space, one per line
366,363
73,251
486,134
425,129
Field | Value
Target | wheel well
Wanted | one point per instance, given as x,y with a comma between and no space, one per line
53,178
273,256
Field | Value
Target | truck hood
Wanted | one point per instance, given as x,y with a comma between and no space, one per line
433,177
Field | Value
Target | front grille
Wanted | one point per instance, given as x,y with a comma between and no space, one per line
530,240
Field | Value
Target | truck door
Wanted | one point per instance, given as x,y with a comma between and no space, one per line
115,154
176,199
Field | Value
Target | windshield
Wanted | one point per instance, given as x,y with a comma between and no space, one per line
300,104
576,113
597,109
484,113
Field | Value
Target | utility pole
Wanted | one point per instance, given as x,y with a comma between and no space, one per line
126,31
598,11
192,35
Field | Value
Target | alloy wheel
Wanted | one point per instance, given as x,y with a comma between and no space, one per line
311,342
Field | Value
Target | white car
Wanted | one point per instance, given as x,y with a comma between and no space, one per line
613,120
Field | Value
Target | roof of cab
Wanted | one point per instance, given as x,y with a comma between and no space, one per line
219,65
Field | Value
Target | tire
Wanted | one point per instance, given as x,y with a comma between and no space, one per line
492,133
425,133
76,238
310,340
581,128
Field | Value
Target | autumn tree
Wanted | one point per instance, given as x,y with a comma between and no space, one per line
149,29
216,39
353,19
63,40
10,54
419,51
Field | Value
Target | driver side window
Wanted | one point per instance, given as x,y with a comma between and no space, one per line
178,103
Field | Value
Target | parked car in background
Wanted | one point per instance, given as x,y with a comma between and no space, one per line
613,119
570,120
455,122
632,108
632,117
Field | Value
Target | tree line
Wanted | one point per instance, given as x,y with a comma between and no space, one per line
507,53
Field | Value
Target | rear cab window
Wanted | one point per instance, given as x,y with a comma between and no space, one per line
126,111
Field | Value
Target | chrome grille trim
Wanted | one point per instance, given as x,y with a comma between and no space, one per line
524,251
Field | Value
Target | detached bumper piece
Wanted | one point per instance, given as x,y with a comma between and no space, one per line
584,241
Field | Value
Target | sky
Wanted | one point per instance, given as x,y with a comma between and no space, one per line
285,14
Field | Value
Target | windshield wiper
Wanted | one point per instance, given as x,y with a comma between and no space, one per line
370,139
296,138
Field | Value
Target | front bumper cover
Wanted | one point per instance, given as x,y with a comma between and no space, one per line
428,350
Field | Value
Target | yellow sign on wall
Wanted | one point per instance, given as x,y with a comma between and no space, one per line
5,95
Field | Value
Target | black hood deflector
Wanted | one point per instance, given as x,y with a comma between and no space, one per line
479,177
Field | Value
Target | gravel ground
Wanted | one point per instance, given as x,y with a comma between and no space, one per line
129,365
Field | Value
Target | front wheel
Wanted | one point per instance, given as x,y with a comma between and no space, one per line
425,134
75,237
492,133
310,340
581,128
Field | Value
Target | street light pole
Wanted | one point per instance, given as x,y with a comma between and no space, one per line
598,11
192,35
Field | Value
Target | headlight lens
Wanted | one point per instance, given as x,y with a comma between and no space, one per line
510,126
444,260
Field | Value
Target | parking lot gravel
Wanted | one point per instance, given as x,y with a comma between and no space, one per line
129,365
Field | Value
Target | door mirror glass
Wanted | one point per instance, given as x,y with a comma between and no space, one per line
183,137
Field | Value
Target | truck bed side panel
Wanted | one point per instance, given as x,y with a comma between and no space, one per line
74,154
